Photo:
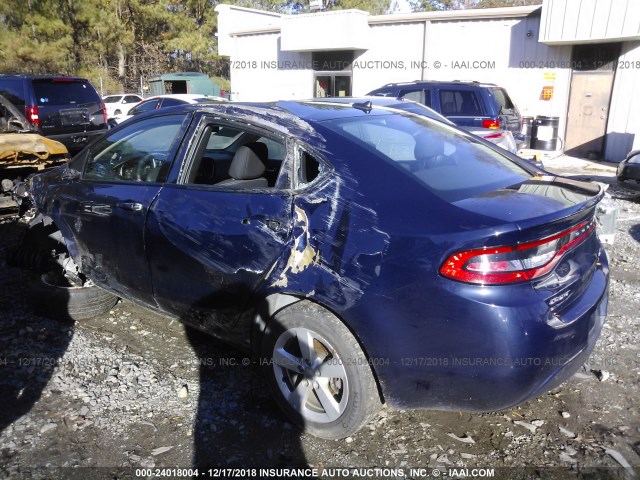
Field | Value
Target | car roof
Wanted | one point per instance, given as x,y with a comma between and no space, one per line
470,83
312,110
389,102
41,76
184,96
296,117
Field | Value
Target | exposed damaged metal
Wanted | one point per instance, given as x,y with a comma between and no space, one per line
302,252
23,152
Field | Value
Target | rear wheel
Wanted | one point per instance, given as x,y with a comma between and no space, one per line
318,373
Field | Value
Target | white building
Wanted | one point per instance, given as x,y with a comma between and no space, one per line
576,60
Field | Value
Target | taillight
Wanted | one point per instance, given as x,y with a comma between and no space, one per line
515,263
104,112
491,123
31,112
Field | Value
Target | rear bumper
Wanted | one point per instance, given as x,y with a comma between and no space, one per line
488,355
77,141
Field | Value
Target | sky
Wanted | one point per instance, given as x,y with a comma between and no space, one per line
400,6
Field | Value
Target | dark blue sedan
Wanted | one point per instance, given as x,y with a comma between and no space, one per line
363,254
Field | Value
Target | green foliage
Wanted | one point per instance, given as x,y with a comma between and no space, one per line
375,7
431,5
222,82
101,79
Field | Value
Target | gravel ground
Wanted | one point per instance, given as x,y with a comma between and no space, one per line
131,389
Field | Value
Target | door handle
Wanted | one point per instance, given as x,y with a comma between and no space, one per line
131,206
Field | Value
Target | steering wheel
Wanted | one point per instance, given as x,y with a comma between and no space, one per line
145,164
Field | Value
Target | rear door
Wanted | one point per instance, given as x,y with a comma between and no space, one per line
210,244
67,105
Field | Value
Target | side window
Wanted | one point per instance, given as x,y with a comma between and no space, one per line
233,158
308,168
276,150
503,99
459,102
13,90
131,99
420,96
222,137
141,152
144,107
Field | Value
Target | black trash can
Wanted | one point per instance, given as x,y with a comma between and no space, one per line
527,126
544,133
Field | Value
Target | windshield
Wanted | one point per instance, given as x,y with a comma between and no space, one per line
447,162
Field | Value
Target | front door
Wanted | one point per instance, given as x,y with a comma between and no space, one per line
106,209
588,112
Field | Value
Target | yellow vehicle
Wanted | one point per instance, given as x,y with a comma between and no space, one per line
23,151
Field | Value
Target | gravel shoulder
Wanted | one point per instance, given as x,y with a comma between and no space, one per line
132,389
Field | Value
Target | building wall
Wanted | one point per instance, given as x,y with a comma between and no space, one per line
623,129
510,51
589,21
494,51
262,72
501,52
386,61
232,19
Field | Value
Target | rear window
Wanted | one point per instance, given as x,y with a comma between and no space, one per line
460,102
64,92
448,163
502,98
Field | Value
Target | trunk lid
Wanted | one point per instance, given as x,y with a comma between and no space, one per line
542,208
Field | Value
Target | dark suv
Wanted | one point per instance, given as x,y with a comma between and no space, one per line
467,104
67,109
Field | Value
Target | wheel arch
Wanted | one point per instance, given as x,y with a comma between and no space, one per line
276,302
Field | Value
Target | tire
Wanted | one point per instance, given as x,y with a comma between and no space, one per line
64,302
117,112
334,405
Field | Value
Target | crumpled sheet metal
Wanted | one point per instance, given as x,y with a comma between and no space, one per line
28,148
